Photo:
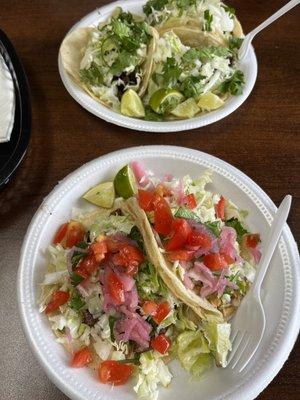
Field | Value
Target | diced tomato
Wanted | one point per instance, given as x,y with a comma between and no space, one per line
60,234
130,258
181,230
220,208
69,234
116,289
113,246
82,358
162,311
145,198
114,373
228,259
180,255
216,261
58,299
198,239
190,201
162,190
88,264
150,307
252,240
161,343
98,250
163,217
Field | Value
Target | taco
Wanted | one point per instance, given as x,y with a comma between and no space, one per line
196,22
200,306
111,58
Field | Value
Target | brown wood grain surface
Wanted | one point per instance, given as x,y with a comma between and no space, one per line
261,138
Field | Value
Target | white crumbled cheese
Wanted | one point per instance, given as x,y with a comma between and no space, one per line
221,64
226,298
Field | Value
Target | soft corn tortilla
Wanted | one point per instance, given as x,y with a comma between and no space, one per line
200,306
191,34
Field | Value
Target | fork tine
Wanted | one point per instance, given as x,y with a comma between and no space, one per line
235,344
236,351
249,353
242,348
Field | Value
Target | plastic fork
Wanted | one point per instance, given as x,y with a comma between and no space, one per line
248,325
249,37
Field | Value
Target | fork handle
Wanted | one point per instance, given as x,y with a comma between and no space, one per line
272,240
249,37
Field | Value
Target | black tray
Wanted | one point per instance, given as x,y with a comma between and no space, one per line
12,152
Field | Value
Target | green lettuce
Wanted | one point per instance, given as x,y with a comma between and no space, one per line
218,336
193,352
149,284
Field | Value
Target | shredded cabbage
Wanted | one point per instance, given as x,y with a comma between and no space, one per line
152,372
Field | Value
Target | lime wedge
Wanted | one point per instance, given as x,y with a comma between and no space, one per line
125,182
210,101
164,100
102,195
187,109
131,104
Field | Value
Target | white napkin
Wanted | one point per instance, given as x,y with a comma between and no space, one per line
7,102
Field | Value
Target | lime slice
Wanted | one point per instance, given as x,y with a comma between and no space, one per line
210,101
125,183
131,104
187,109
164,100
102,195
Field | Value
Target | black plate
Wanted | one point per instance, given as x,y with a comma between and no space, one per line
12,152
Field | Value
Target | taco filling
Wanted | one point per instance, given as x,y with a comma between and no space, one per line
152,272
177,61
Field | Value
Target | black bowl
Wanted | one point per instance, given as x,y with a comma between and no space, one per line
12,152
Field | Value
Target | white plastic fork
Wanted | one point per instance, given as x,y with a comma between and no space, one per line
248,325
249,37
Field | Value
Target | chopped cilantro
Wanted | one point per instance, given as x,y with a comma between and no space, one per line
136,235
204,54
208,19
185,3
78,255
235,43
192,86
239,228
150,115
183,212
92,75
75,279
155,4
233,85
77,302
171,72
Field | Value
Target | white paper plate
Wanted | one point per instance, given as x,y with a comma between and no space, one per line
248,66
280,289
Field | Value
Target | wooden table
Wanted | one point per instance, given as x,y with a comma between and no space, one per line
261,138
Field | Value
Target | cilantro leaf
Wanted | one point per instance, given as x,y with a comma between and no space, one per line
235,43
171,72
192,86
78,255
185,3
234,85
208,19
204,54
136,235
150,115
92,75
77,302
239,228
155,4
75,279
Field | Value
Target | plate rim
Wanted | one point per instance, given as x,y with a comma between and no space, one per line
113,117
185,154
